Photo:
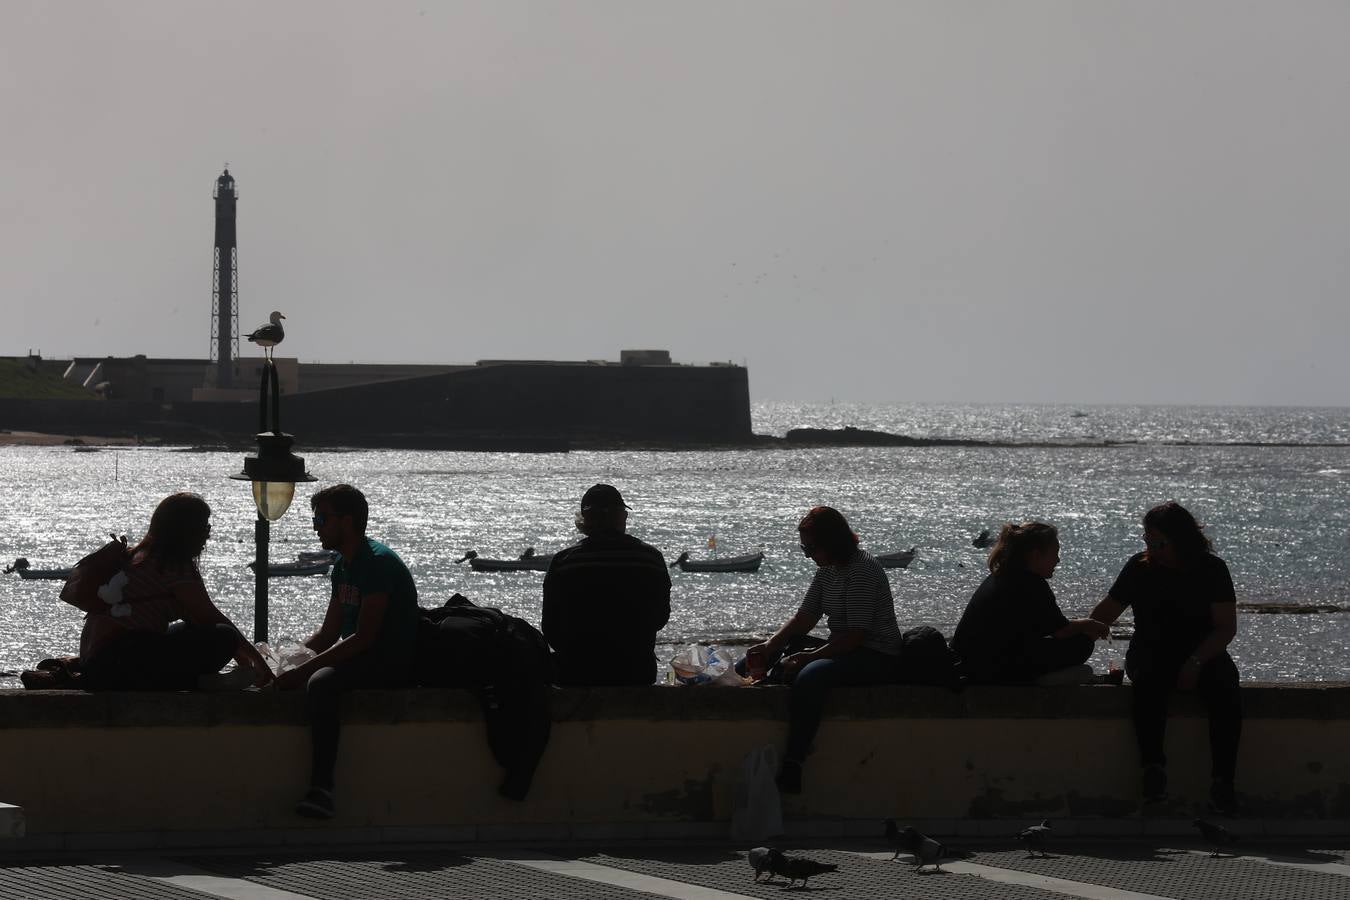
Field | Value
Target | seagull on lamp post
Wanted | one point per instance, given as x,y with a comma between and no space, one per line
270,334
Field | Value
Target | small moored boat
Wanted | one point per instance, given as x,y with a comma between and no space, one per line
900,559
529,561
983,539
296,567
748,563
28,573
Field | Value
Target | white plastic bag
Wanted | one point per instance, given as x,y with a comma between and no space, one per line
757,813
286,655
697,664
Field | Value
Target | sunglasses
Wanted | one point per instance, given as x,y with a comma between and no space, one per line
808,549
321,518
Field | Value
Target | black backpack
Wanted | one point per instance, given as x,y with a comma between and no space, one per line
468,646
925,658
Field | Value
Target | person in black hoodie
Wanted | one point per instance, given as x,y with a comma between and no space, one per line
1013,629
605,598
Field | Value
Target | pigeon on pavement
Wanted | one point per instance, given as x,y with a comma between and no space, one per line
759,860
1034,837
1216,836
797,868
925,850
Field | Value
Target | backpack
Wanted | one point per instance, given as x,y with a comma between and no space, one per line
93,572
464,645
925,658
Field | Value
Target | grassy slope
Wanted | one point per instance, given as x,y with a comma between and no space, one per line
16,381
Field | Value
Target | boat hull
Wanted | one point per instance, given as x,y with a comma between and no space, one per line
748,563
533,564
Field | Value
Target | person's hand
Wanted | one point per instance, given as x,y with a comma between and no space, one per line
793,664
1189,676
263,677
1094,629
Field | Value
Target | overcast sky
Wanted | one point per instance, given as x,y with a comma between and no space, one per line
1002,201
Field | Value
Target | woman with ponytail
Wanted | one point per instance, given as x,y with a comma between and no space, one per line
1013,629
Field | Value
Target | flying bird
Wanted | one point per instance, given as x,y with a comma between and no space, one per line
270,334
760,860
797,868
1216,836
1034,837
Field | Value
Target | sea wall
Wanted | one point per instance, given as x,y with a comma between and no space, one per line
134,769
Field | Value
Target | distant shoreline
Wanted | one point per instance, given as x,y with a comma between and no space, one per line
795,439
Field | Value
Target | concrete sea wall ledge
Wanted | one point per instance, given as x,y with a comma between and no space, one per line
190,769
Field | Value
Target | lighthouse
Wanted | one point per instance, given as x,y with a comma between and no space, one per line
225,284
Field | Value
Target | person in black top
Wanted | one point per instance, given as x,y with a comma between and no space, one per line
1185,616
605,598
1012,629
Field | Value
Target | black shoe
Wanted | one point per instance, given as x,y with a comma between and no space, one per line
1222,797
789,779
1155,783
316,804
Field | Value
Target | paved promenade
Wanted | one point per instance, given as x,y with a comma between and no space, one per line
1130,869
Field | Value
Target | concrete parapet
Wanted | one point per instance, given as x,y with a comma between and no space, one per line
107,768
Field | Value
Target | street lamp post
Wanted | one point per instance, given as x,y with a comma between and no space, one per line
274,472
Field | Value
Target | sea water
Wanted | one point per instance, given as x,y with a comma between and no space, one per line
1271,484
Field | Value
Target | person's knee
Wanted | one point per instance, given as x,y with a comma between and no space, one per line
1077,649
221,641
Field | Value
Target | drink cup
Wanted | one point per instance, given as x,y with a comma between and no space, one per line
755,668
1114,673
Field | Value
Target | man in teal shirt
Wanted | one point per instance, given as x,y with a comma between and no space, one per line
367,638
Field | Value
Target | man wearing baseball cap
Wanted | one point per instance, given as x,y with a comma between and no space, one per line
605,598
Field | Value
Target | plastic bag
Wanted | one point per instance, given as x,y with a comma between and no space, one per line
286,655
697,664
757,812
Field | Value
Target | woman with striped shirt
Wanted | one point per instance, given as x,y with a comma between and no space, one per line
140,644
851,591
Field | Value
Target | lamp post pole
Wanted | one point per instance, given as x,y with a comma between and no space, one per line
274,472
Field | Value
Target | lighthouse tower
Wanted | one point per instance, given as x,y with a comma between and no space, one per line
225,285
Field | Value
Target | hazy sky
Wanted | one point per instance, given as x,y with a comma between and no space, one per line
998,201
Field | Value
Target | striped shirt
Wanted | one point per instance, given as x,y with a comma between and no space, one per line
855,595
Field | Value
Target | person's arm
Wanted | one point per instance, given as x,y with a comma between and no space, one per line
800,623
368,625
1223,621
329,629
1107,611
199,610
1091,626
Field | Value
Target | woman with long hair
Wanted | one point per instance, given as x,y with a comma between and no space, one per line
851,591
164,633
1013,629
1185,616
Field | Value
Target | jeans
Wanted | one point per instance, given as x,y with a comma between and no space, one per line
813,683
1153,682
323,701
172,661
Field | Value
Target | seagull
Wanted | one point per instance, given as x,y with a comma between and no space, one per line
1034,837
269,335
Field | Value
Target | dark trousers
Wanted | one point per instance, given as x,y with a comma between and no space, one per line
172,661
323,701
1154,681
813,683
1049,654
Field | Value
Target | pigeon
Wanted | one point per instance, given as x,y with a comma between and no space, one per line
270,334
797,869
760,860
925,850
1215,835
1034,837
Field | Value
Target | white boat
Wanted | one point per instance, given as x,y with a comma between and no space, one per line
748,563
899,559
983,539
28,573
529,561
299,566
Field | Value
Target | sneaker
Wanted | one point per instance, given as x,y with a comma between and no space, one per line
789,778
1155,783
316,804
1222,797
